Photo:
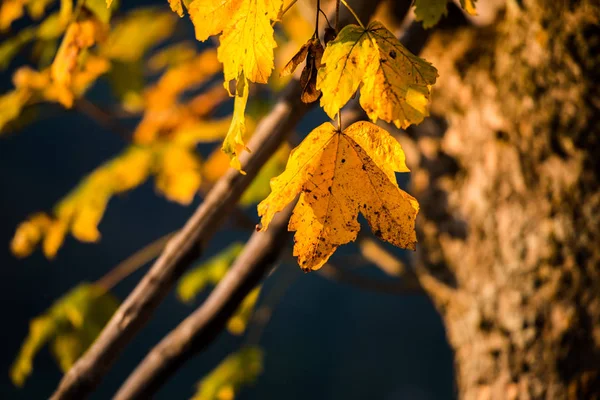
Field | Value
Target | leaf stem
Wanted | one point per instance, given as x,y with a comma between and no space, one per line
353,13
337,16
339,118
316,34
286,9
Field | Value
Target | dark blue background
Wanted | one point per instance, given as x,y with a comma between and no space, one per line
324,341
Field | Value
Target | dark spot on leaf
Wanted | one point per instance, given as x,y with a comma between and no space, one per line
343,160
393,54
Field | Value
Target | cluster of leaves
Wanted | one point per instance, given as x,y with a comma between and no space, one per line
164,142
335,173
70,326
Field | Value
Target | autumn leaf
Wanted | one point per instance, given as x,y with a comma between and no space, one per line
82,209
235,141
245,49
176,7
70,326
79,37
337,175
396,83
226,380
469,6
238,322
430,11
178,173
247,43
136,33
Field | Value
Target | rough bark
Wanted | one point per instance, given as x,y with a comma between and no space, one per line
509,186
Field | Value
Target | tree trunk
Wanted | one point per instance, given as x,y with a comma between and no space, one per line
509,187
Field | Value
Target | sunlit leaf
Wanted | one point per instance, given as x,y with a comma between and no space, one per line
70,326
178,173
81,210
239,320
396,83
137,33
245,49
11,105
235,141
227,379
172,55
337,175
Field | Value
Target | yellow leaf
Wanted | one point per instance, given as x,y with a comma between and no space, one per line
225,381
430,11
207,273
135,34
178,173
29,234
239,320
469,6
10,10
11,105
338,175
172,55
82,209
235,140
176,7
396,83
246,51
203,131
79,36
247,42
70,325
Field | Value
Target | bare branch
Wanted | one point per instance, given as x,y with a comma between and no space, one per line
198,330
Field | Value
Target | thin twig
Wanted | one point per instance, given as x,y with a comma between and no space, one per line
337,16
397,286
352,12
103,118
133,262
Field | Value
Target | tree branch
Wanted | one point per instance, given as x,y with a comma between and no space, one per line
198,330
182,250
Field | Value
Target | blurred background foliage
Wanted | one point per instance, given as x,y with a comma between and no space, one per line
101,103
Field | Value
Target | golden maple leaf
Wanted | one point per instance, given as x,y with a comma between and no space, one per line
396,83
339,174
246,51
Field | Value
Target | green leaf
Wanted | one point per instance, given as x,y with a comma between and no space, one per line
209,272
226,380
430,11
70,326
239,320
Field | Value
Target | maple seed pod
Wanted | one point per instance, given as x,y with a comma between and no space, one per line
308,79
330,35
